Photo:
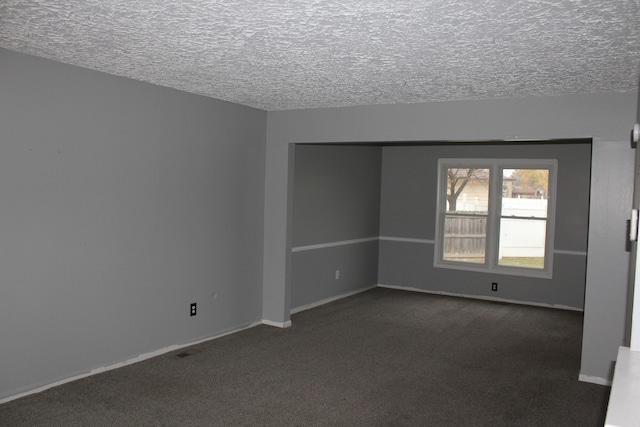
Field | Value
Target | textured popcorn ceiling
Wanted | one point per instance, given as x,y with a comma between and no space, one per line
289,54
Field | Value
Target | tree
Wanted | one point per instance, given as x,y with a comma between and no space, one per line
457,179
532,178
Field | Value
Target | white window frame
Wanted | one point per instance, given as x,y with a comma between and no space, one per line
496,167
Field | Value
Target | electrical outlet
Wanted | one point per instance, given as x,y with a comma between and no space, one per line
337,274
193,309
494,287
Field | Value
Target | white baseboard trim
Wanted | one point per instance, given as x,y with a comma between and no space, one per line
282,325
328,300
131,361
594,380
482,297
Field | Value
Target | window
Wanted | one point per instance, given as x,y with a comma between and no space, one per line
496,215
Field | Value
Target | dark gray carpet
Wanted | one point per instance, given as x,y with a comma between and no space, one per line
380,358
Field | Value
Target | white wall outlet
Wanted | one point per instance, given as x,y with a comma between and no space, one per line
337,274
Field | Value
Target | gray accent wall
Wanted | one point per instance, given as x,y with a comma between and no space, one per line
121,203
605,117
336,201
408,210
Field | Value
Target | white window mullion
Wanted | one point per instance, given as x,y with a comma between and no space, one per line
493,226
551,215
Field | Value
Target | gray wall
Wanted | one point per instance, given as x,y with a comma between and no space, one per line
120,204
408,210
607,263
605,117
336,198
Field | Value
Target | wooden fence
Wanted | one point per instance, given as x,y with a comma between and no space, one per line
465,236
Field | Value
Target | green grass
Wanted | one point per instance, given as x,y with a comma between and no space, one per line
537,262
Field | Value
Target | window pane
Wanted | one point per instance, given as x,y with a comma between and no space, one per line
525,192
465,238
467,190
522,242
